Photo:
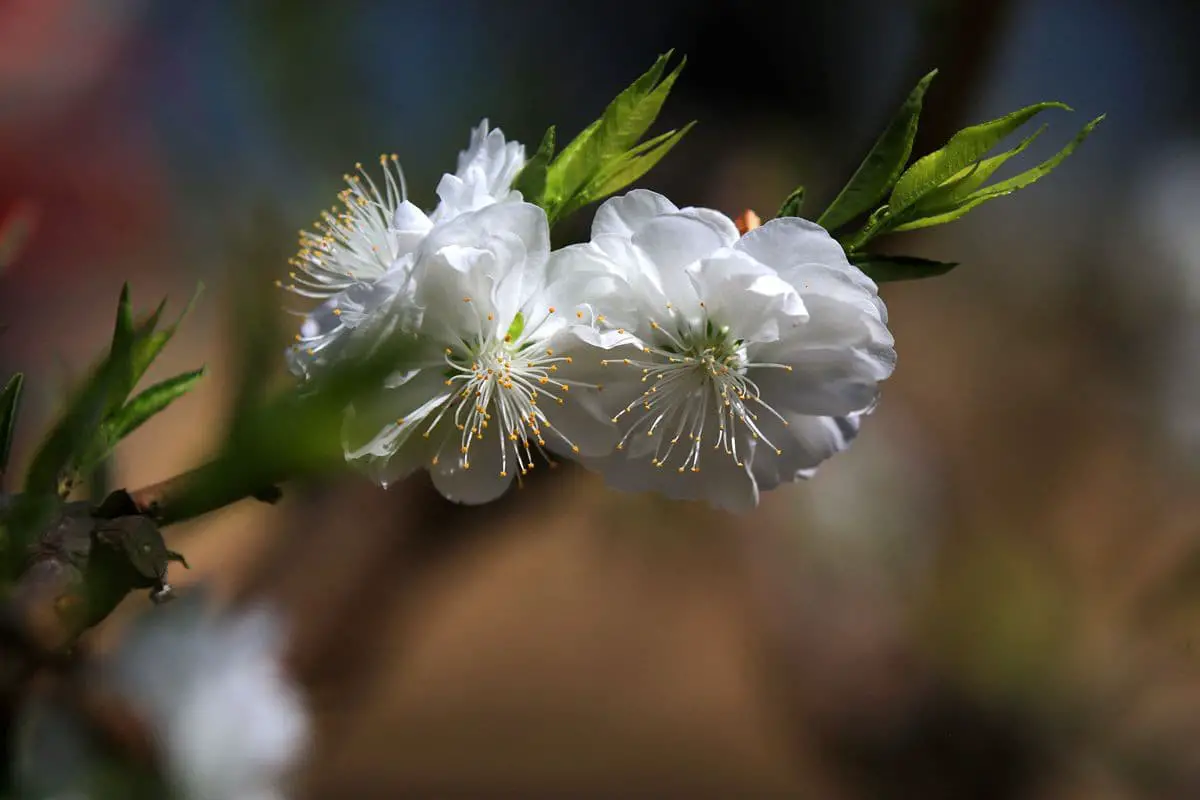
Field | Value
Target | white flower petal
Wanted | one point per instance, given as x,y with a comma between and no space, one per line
745,296
805,443
486,170
721,482
624,215
672,241
788,241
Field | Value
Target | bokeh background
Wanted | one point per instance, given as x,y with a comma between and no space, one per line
994,594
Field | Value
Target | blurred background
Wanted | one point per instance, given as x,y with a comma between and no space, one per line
994,594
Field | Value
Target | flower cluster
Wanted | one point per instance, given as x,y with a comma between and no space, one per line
675,351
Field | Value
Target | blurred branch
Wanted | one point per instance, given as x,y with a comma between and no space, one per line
85,558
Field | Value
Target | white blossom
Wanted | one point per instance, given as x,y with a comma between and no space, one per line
359,257
494,388
206,687
738,362
213,689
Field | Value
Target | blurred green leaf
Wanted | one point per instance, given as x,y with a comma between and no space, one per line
959,203
122,342
591,154
149,342
10,400
887,268
531,180
883,164
964,148
80,424
793,206
296,434
141,343
148,403
626,169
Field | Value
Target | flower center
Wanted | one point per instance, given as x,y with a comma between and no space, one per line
498,383
352,244
696,376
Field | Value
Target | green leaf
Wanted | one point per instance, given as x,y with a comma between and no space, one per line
10,400
959,187
80,424
883,164
531,180
148,403
886,268
964,149
623,123
149,343
794,204
122,342
626,169
1006,187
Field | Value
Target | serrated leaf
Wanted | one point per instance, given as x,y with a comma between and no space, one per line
1001,188
531,180
623,123
626,169
887,268
148,403
793,205
964,149
574,164
883,164
959,187
10,402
